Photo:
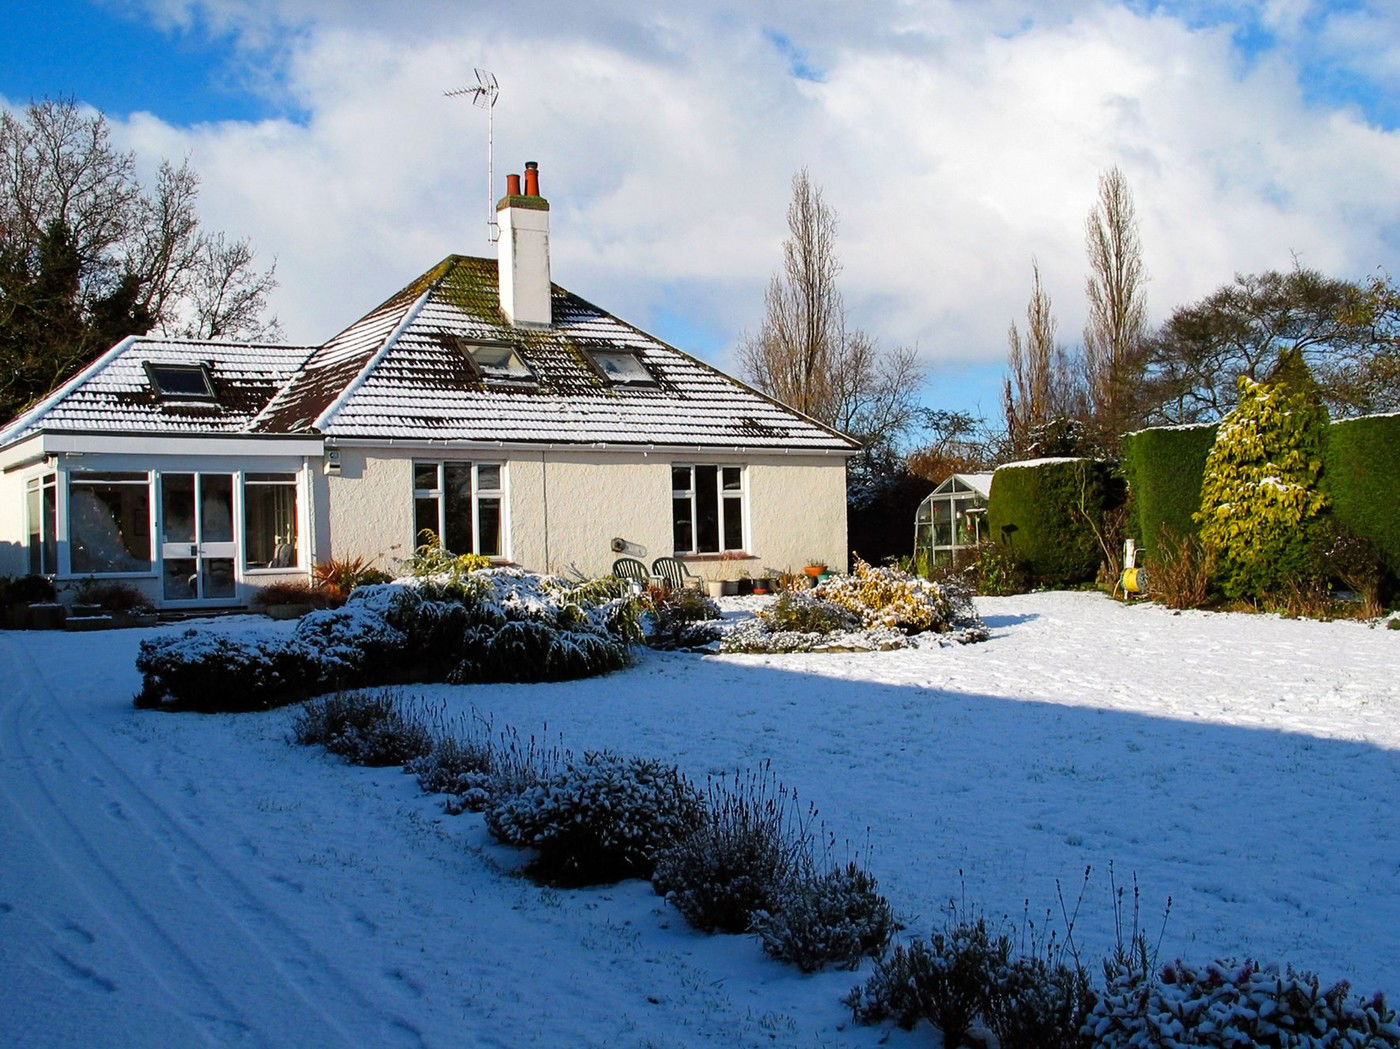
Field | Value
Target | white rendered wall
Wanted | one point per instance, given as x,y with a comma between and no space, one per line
563,509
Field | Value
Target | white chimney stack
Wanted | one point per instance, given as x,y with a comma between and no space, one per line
523,252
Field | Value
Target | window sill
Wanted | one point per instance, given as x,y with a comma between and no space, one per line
731,555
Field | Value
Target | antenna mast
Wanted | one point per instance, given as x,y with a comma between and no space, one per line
484,96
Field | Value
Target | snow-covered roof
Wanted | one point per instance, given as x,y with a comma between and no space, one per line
981,483
404,372
115,393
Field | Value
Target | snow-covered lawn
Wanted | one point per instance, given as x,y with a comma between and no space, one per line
180,880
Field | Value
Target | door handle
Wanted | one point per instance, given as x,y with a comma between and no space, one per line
194,550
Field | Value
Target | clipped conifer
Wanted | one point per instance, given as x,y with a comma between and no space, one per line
1261,507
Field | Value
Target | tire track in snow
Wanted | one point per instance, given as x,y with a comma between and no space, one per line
178,911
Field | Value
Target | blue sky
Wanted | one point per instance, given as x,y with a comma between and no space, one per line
955,143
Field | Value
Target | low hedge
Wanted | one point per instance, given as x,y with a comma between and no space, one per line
1164,467
1361,465
1035,508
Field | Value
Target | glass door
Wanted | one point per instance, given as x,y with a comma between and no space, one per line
196,537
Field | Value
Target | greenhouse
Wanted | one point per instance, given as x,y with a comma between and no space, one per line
952,517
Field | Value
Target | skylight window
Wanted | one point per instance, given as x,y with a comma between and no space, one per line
622,368
498,360
181,382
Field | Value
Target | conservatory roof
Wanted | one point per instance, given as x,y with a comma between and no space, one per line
981,484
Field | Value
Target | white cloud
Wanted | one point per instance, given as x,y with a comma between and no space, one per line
954,140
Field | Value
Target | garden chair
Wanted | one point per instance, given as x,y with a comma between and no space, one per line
632,570
673,573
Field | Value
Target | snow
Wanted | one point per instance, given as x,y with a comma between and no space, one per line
194,880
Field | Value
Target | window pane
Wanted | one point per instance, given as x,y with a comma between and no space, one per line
177,508
181,380
731,478
218,577
270,525
425,476
680,478
181,583
683,537
270,478
109,526
425,519
707,509
50,524
489,527
488,478
33,502
457,491
216,508
733,524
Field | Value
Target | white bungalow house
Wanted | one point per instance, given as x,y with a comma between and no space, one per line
483,402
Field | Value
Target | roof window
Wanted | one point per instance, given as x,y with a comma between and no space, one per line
181,382
498,360
622,368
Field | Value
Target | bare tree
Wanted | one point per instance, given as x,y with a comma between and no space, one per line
1115,332
1041,387
805,356
88,255
804,324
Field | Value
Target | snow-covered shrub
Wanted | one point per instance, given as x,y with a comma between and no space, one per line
836,918
753,635
207,671
460,767
365,728
1231,1005
944,980
681,618
598,820
808,612
750,843
1040,1001
497,625
895,599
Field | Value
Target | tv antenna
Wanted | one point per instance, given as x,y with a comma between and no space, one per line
484,96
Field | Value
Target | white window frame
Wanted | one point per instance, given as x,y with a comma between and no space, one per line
438,493
254,479
45,483
66,510
741,495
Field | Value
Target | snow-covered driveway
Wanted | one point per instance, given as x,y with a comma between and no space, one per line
172,880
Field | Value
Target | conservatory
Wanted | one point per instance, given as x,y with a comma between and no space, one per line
951,518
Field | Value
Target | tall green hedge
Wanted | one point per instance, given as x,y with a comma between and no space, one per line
1361,475
1164,468
1034,508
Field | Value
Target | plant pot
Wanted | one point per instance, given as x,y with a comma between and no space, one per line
286,611
86,611
47,615
745,587
134,618
762,586
814,570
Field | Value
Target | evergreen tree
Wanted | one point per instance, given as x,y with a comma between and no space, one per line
1261,509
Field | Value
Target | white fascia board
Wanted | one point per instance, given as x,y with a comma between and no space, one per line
323,420
55,443
22,453
442,445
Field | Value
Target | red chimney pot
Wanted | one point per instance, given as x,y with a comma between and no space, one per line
532,179
512,185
